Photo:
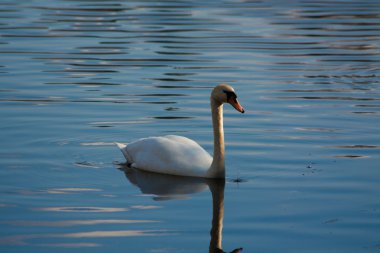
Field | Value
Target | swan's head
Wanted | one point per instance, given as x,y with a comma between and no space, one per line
224,93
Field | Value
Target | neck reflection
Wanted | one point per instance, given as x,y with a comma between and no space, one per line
217,191
168,187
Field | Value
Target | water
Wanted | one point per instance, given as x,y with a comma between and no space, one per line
302,163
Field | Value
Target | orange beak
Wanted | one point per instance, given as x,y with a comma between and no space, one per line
235,103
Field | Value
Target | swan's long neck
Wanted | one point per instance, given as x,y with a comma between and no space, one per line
217,169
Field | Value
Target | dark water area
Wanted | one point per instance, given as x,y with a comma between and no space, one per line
302,162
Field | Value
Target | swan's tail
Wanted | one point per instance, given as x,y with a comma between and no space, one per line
123,149
121,146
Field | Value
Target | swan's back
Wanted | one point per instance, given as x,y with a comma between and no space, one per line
171,154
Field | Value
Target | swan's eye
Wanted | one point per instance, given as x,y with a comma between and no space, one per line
230,94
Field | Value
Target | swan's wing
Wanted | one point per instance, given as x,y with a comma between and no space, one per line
181,139
171,154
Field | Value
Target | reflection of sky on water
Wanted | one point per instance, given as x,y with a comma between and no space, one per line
76,76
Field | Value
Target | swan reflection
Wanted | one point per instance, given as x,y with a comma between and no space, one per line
167,187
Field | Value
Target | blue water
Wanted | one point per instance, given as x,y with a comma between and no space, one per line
302,162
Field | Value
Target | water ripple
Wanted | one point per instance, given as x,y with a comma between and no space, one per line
97,72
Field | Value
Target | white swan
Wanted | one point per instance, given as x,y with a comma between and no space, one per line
178,155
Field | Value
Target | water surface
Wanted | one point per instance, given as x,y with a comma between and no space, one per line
78,75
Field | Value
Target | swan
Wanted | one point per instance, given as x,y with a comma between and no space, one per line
181,156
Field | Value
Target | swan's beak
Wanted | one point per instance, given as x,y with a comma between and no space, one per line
235,103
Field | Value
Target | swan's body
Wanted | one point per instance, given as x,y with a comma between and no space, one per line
171,154
178,155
